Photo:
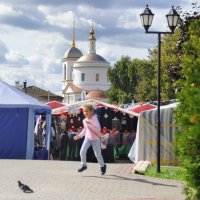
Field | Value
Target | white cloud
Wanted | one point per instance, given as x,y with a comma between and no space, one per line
51,65
48,82
44,9
50,44
50,50
129,19
63,20
9,11
107,53
16,59
10,77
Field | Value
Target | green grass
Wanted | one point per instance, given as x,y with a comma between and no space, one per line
167,172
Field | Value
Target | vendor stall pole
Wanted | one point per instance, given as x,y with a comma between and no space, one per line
172,19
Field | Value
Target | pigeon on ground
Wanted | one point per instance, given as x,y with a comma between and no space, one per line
24,188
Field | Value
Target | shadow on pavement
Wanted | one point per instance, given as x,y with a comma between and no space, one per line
115,177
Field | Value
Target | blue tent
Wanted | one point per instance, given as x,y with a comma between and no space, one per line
17,118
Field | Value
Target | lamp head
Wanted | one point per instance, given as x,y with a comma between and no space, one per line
172,19
146,18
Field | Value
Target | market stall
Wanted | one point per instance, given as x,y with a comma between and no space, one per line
145,145
17,121
120,123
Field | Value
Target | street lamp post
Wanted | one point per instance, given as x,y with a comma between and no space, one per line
25,86
146,19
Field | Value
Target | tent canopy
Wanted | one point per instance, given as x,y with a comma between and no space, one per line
17,117
10,96
76,106
142,107
55,104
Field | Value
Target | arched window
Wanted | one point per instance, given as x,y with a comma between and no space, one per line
82,77
83,95
97,77
71,77
64,72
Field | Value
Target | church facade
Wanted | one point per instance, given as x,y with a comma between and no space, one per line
82,74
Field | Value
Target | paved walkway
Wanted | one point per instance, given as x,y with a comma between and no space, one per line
59,180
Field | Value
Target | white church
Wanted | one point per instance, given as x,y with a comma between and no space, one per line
84,76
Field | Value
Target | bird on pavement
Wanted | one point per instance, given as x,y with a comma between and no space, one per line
24,188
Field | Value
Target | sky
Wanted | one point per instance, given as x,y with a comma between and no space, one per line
35,34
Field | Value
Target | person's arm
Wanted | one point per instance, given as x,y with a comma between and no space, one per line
81,134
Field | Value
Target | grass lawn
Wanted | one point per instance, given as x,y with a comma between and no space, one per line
167,172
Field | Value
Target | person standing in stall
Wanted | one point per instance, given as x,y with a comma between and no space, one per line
92,133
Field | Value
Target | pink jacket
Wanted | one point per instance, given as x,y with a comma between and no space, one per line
92,128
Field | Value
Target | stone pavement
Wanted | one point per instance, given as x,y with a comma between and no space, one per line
59,180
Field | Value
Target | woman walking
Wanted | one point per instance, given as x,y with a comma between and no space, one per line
92,133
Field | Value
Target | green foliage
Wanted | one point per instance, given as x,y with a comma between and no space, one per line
170,65
186,17
167,172
146,82
131,80
123,80
188,113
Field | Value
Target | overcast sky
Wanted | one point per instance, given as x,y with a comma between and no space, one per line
35,34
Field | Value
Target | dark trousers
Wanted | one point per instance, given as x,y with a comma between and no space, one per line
63,146
72,147
108,154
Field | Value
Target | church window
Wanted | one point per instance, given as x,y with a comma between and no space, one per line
97,77
71,74
64,72
82,77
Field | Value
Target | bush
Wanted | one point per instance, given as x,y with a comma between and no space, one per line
188,113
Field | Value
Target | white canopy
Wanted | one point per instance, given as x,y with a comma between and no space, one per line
145,145
75,107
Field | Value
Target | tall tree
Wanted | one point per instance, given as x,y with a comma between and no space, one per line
188,111
146,81
170,65
123,80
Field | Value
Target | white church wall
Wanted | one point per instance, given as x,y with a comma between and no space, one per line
90,82
69,69
64,69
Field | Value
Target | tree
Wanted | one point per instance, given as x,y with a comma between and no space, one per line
170,65
123,80
132,80
188,113
146,81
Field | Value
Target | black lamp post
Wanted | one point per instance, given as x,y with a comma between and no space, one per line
25,84
172,19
